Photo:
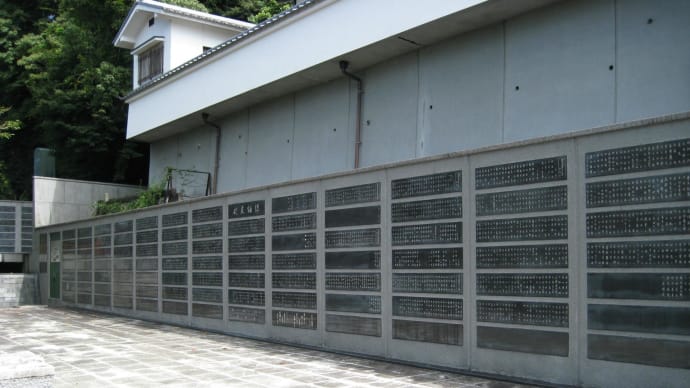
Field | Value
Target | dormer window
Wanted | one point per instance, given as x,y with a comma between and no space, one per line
150,63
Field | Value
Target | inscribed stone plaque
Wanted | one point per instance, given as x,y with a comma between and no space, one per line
207,311
523,313
84,232
84,243
246,280
353,325
102,288
444,233
293,203
369,304
523,284
84,276
175,248
205,247
123,302
244,314
244,227
148,236
521,173
354,194
207,214
178,308
101,300
355,216
641,319
178,233
651,286
147,305
147,223
103,277
244,297
294,222
66,235
294,319
123,226
432,209
647,222
353,260
207,230
210,295
175,278
646,157
68,297
423,307
147,264
68,276
100,230
69,245
209,279
294,280
147,278
246,209
639,254
353,281
84,299
298,241
207,263
439,333
433,283
175,293
521,340
123,252
294,300
523,229
523,201
294,261
646,351
353,238
246,261
174,219
123,277
431,258
147,250
174,263
123,239
523,256
147,291
246,244
445,182
666,188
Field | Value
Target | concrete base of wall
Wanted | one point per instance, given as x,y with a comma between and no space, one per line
17,289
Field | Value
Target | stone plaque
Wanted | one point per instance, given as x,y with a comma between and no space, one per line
294,300
442,183
207,263
68,276
522,340
246,244
523,256
521,173
123,277
175,278
210,295
147,264
84,276
369,304
647,222
244,227
354,194
246,209
211,311
147,278
666,188
294,280
101,300
355,216
208,214
175,248
124,226
123,239
68,297
523,229
84,232
294,203
294,261
147,223
209,279
103,288
207,230
177,308
174,263
444,233
432,209
100,230
147,250
353,281
123,252
294,222
431,258
523,201
69,234
423,307
123,302
353,260
147,291
523,284
84,299
178,233
246,279
294,319
353,238
246,261
288,242
84,243
651,286
174,219
147,236
523,313
205,247
639,254
439,333
646,157
244,297
640,319
353,325
433,283
69,245
646,351
243,314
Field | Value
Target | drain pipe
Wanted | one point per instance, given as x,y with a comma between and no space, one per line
358,124
216,165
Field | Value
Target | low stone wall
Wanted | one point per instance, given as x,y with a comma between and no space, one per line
17,289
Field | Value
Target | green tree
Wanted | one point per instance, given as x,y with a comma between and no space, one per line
191,4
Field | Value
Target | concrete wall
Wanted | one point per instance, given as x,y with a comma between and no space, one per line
569,66
64,200
563,260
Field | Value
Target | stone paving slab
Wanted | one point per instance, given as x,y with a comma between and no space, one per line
88,349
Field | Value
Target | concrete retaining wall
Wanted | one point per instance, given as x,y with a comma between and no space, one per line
17,289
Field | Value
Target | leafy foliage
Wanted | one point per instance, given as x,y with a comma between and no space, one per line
191,4
150,197
269,8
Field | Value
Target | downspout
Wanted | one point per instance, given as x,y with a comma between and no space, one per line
216,164
358,124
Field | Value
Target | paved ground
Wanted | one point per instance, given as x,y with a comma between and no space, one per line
89,349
